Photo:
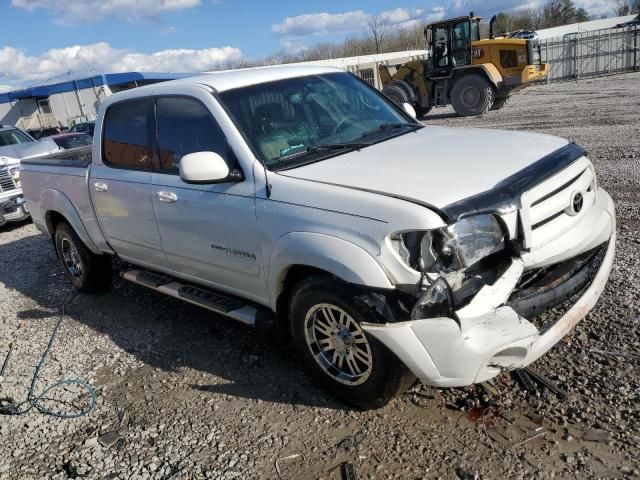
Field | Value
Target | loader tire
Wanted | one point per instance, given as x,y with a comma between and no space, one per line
396,94
472,95
421,111
499,103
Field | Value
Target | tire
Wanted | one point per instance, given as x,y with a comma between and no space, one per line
351,379
396,94
88,272
421,111
499,103
472,95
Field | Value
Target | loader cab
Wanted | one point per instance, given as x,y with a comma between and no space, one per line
450,44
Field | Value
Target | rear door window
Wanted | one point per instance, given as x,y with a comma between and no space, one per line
186,126
127,139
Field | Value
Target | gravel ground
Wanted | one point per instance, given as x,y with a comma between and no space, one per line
184,394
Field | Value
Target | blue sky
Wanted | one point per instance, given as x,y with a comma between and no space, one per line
45,39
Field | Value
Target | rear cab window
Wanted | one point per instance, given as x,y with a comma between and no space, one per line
127,140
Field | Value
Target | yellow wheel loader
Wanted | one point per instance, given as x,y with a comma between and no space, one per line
472,75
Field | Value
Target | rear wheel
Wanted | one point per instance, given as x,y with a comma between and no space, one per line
472,95
87,271
347,361
499,103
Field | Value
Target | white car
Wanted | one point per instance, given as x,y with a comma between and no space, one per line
15,145
300,198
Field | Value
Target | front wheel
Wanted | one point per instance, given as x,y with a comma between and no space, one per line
472,95
351,364
87,271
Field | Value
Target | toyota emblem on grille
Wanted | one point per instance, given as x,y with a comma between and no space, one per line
577,202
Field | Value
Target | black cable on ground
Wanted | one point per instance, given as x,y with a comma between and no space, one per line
9,407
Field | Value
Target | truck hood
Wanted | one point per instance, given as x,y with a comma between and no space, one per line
434,166
22,151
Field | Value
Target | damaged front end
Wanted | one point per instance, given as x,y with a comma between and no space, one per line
474,311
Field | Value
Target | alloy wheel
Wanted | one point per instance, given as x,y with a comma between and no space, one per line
71,258
338,344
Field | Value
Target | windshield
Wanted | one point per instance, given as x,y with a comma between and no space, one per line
13,137
299,120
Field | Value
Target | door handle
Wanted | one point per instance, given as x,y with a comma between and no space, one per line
167,197
101,187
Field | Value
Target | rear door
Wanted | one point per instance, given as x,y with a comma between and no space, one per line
120,184
209,232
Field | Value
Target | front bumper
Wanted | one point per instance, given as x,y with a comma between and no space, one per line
13,209
490,336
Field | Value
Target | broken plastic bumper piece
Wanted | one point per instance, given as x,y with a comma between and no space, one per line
491,334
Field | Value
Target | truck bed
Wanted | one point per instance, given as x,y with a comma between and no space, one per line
59,183
76,157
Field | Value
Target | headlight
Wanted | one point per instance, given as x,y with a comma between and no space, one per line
15,174
455,247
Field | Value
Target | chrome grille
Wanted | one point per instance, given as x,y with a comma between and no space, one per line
554,206
6,181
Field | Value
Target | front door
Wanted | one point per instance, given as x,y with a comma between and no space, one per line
209,232
120,185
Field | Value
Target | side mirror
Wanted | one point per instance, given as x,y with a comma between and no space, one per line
203,167
410,110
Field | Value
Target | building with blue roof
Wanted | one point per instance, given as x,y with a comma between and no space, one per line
67,103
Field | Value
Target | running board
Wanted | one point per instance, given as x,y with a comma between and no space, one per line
253,315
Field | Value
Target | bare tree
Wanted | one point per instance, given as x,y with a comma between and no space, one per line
558,12
582,15
626,7
379,30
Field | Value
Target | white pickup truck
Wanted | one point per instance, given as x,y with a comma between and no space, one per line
300,198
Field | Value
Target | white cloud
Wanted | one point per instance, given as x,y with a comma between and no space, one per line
74,11
18,68
327,23
321,23
292,29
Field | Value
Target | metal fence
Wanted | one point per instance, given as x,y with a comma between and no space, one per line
600,52
368,76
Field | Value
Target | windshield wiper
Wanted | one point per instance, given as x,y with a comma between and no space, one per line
391,126
336,146
323,147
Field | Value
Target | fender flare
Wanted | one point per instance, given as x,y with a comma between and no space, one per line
56,201
339,257
488,69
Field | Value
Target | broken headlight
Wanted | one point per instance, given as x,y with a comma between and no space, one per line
455,247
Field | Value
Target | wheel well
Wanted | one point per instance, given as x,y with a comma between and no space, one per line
464,72
293,275
53,219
